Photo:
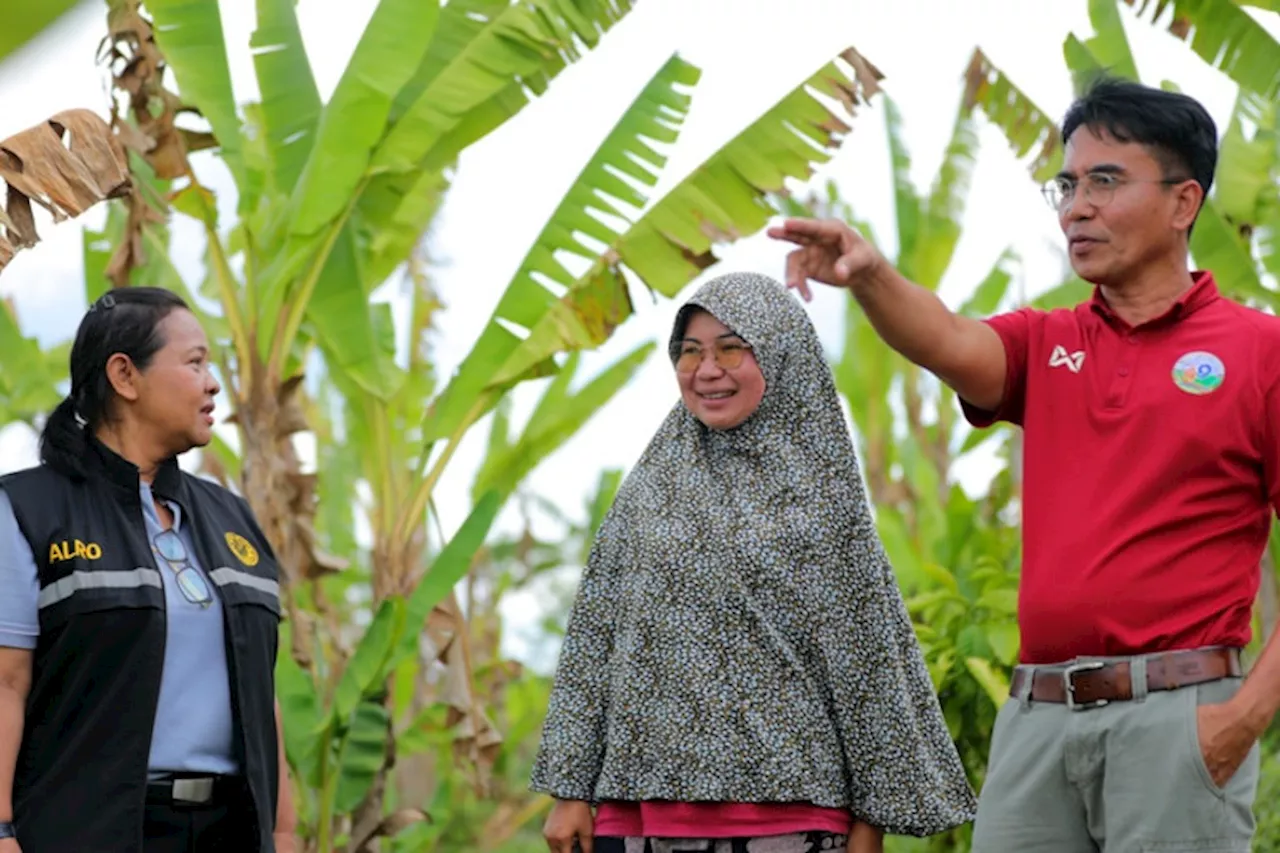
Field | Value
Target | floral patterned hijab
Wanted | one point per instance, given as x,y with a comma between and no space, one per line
738,634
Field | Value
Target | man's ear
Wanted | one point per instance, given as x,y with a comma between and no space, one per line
123,376
1190,196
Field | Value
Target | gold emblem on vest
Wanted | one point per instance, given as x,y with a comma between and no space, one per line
240,546
75,549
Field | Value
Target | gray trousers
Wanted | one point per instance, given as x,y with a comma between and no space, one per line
1124,778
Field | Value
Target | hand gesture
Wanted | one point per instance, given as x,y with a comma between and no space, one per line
829,251
9,845
569,821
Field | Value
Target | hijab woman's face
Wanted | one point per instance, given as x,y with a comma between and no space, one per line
719,378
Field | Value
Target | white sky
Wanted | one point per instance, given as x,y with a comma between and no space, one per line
750,52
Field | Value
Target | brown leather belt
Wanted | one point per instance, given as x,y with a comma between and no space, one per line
1084,684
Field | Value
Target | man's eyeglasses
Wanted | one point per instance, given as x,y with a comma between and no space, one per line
1099,188
191,583
728,354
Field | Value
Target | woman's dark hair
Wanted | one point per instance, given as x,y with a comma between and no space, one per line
1177,128
124,320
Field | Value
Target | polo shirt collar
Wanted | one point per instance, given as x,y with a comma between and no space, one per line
1203,292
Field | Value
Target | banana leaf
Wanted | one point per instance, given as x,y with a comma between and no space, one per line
1223,35
355,119
944,211
291,103
1245,182
906,201
559,415
1109,45
1027,127
189,32
1217,246
653,117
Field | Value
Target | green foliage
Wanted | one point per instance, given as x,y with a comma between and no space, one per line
1268,834
503,817
558,416
666,247
1109,46
1223,35
194,47
28,390
1235,233
1028,128
25,21
339,747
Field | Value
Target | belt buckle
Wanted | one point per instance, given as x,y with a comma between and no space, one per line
193,790
1067,675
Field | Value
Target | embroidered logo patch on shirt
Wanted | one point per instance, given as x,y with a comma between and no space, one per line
240,546
1072,361
1199,372
74,549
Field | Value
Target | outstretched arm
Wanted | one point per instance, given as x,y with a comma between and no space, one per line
964,353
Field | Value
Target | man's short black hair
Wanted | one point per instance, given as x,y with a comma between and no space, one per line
1177,128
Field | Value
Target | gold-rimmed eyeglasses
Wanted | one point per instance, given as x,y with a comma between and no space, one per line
1099,188
728,354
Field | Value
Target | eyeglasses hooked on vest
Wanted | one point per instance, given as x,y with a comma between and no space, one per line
169,545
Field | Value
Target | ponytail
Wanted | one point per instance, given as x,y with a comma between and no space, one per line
63,443
125,320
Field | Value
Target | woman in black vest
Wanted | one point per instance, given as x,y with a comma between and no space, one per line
139,616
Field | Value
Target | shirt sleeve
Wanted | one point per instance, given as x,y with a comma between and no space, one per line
19,604
1015,329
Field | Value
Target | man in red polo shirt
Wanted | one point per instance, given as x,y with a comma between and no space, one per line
1151,418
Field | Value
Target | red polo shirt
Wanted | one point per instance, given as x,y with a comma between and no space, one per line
1151,467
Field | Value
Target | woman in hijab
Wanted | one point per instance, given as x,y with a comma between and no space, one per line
739,673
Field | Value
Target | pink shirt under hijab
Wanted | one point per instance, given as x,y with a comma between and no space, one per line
716,820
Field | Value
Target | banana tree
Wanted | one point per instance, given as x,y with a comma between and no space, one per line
507,817
331,198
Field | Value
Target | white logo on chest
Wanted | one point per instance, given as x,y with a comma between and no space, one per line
1072,361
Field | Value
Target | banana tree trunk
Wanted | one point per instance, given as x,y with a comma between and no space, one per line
281,495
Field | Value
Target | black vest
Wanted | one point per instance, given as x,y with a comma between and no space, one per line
80,783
